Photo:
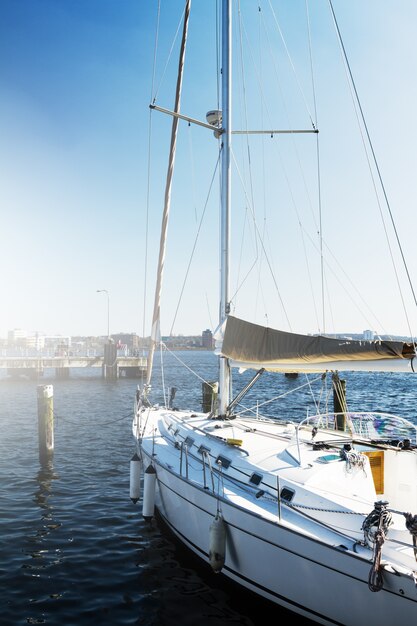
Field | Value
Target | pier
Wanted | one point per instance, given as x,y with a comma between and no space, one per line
111,365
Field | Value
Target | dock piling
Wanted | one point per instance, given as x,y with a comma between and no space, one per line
45,422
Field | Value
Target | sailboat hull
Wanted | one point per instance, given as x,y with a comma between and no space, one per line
323,581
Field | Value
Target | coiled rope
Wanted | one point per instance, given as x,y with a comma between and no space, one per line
375,528
411,525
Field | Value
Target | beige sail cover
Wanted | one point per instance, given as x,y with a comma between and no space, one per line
258,346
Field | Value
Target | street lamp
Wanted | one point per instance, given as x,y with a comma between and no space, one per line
108,310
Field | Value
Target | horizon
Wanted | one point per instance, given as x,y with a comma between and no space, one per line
58,336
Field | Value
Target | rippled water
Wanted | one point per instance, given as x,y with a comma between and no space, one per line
73,547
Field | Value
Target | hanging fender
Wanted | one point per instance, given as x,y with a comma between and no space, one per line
149,485
135,474
217,547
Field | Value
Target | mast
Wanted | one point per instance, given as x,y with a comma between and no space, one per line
224,373
155,332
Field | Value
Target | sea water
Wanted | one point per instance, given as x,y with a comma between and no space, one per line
74,549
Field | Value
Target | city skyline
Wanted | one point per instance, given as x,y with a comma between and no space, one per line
366,334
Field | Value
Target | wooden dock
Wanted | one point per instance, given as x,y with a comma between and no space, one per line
34,366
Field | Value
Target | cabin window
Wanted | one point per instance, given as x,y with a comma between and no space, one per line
287,494
225,462
188,442
203,449
255,479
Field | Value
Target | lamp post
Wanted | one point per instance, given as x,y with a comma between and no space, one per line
108,310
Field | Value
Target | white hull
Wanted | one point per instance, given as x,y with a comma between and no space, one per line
289,559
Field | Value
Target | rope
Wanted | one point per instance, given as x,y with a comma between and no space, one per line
353,459
77,423
375,580
411,525
375,528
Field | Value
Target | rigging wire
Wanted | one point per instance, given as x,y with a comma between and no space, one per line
218,72
244,115
262,237
173,354
194,245
314,125
320,231
263,247
365,126
180,21
254,408
291,63
294,143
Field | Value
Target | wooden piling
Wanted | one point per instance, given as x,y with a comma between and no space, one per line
110,366
45,422
339,402
210,394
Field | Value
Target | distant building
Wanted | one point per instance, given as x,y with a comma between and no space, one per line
51,341
37,342
369,335
130,340
17,336
207,339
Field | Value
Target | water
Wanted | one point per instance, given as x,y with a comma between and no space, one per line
73,548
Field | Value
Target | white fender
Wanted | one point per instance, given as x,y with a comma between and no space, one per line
149,484
135,473
217,549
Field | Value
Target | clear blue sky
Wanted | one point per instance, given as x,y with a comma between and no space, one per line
75,85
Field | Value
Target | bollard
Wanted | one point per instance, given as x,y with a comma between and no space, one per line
45,422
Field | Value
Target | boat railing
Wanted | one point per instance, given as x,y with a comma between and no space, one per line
375,426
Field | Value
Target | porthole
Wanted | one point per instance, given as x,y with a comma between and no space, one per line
287,494
255,479
225,463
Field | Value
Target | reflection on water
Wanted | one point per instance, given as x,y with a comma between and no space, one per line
42,496
74,549
44,480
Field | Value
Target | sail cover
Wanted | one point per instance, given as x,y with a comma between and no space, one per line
250,345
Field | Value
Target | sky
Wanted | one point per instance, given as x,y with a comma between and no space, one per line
76,188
